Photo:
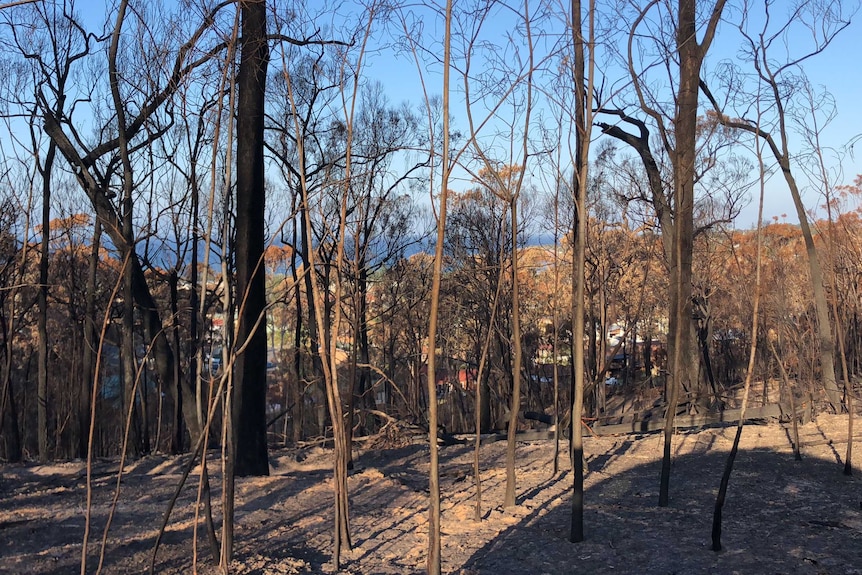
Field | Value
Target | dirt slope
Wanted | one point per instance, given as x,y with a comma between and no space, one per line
782,516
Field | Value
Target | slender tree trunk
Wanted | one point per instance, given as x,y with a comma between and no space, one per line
177,420
755,323
576,533
821,306
8,412
433,562
556,338
596,342
485,392
229,473
310,277
129,364
91,343
369,401
845,369
516,362
583,83
42,299
129,356
797,454
9,427
297,413
477,445
353,383
196,295
142,387
848,456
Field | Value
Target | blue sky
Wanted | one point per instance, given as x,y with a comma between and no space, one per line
832,71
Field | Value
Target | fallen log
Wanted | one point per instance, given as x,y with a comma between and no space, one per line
803,443
533,435
773,410
541,417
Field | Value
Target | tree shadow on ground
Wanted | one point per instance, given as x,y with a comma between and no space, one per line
781,516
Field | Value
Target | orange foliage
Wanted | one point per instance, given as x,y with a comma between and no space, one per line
72,222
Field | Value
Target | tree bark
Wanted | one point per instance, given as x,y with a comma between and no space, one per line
297,413
582,146
42,298
176,419
8,411
249,401
128,356
91,344
690,56
433,561
516,361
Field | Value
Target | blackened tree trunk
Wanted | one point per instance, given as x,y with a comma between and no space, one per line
8,413
509,500
126,231
129,361
196,296
42,298
297,416
369,401
361,378
582,123
91,343
249,401
313,333
691,54
177,415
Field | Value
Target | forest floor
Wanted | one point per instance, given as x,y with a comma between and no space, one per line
782,516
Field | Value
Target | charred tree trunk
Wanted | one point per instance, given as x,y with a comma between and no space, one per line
177,420
42,299
313,332
516,362
126,232
583,119
128,363
297,414
90,348
8,411
152,323
249,400
197,294
690,56
369,401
